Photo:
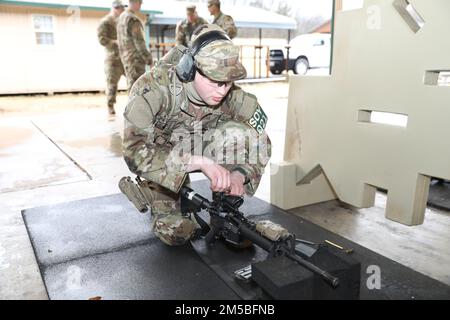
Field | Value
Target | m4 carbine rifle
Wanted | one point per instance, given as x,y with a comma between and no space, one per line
229,224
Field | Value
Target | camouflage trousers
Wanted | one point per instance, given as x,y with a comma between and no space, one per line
169,224
133,72
113,71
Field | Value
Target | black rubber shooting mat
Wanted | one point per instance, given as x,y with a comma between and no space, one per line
104,247
439,195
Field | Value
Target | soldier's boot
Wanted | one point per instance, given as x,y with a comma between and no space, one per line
111,92
111,110
111,99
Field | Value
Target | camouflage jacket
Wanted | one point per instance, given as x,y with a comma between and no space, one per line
130,33
184,30
158,106
226,22
107,36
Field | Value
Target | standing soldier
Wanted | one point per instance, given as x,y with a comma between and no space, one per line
174,124
224,21
107,36
132,47
186,27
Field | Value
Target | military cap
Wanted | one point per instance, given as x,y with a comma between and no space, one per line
213,2
118,4
191,8
219,60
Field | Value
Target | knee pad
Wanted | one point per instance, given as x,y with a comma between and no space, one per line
173,230
233,126
229,143
233,130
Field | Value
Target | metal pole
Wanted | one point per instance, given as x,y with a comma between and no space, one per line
336,6
260,48
242,54
254,62
287,51
259,56
260,36
147,33
147,36
163,39
158,31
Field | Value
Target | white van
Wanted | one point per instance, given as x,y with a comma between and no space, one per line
306,51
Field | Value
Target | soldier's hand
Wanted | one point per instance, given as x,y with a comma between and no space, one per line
224,181
237,180
219,176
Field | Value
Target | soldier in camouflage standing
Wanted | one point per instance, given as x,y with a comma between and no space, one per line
187,115
133,50
185,28
107,36
224,21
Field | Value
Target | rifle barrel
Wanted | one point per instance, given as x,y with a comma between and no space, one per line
267,245
329,278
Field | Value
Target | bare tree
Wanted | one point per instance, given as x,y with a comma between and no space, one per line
308,24
284,9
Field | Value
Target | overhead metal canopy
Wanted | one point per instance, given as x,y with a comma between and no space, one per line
244,16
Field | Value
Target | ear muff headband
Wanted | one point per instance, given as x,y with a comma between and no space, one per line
186,67
205,39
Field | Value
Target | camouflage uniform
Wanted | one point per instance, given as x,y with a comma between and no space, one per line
185,29
132,47
107,36
226,22
159,110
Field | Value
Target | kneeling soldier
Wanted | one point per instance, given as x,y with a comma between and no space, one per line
187,115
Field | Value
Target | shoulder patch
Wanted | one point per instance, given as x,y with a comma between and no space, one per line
246,109
138,112
258,120
141,85
141,110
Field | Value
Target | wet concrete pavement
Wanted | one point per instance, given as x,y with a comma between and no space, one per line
47,156
44,165
63,148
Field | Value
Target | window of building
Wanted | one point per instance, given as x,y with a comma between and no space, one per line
44,29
